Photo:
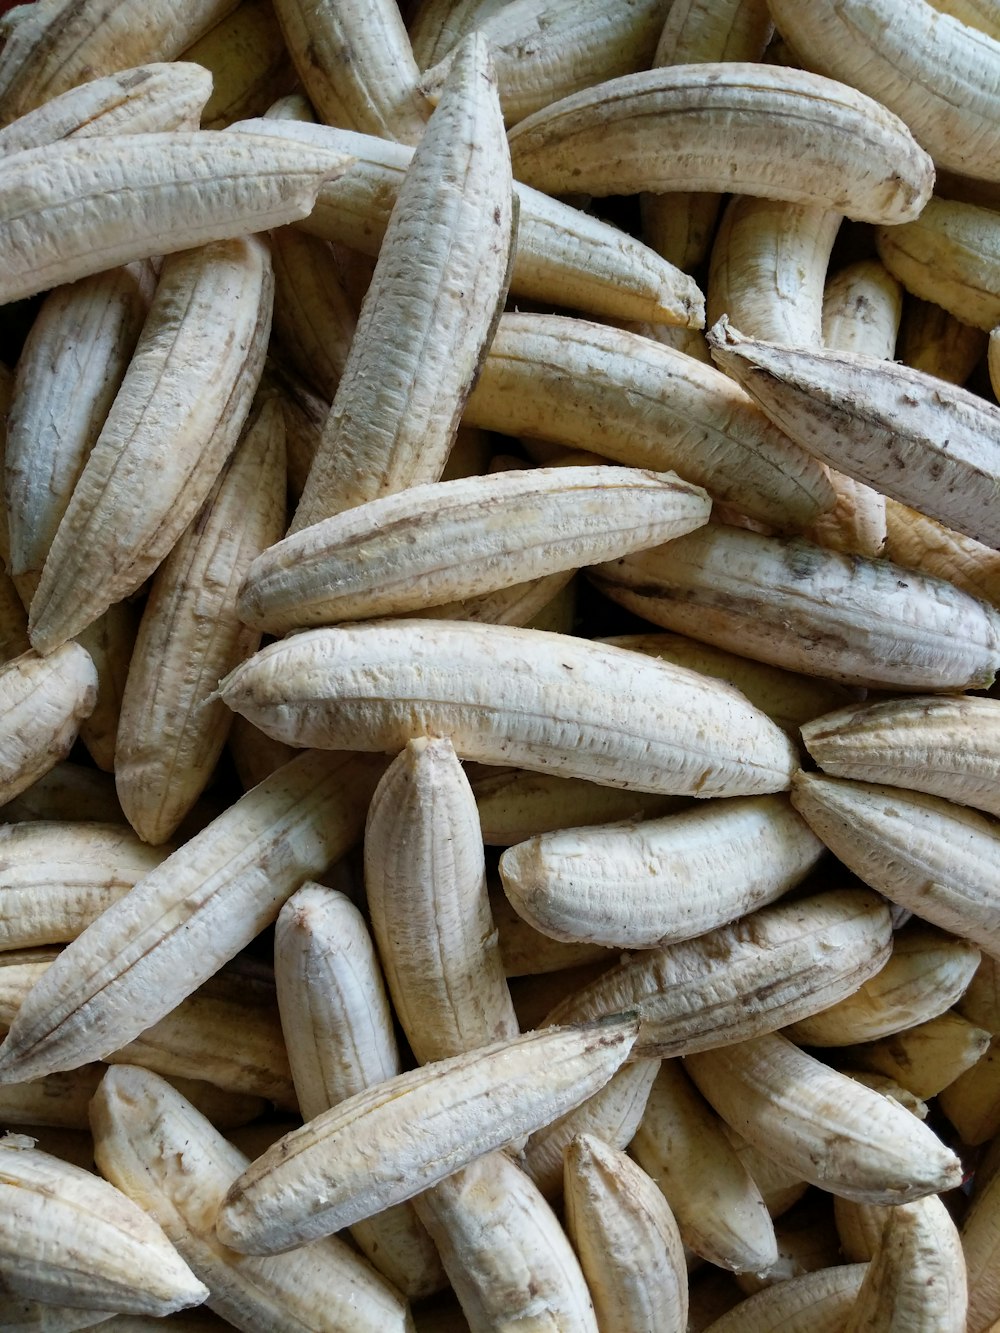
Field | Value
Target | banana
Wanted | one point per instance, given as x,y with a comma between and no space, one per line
937,343
980,1002
314,317
466,1106
196,910
835,1132
881,422
768,268
110,641
917,542
643,885
629,1245
924,853
42,702
338,1030
950,255
448,540
563,704
947,747
71,209
527,953
177,415
536,603
562,255
509,1260
927,973
817,1302
439,284
789,699
639,403
979,14
778,965
68,791
356,65
679,226
65,42
69,371
246,56
780,1188
425,882
719,1210
795,605
170,736
66,1236
935,73
255,756
158,1150
152,97
927,1058
786,134
437,26
612,1114
544,50
58,876
981,1246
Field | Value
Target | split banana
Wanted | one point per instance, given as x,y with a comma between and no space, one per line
445,541
514,696
746,128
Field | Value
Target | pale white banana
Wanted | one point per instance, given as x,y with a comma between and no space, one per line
794,604
950,255
448,540
633,400
793,959
170,735
356,65
944,746
42,702
190,915
515,804
929,855
340,1039
71,366
881,422
563,704
544,50
509,1260
176,417
718,1207
940,76
917,1279
788,698
152,97
66,1236
611,1115
788,135
361,1156
59,875
642,885
627,1238
425,884
561,254
161,1152
928,971
62,43
835,1132
71,209
768,269
429,315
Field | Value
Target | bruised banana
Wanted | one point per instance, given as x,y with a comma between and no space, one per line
787,135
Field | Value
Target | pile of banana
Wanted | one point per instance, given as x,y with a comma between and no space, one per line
499,606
